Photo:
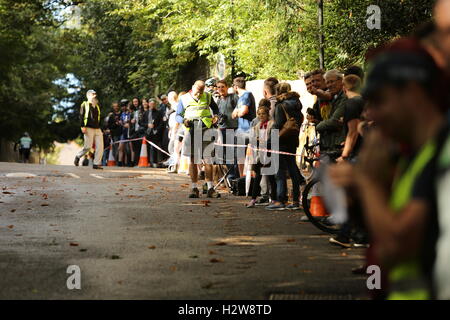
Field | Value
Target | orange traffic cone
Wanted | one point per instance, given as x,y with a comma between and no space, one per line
317,207
143,159
111,160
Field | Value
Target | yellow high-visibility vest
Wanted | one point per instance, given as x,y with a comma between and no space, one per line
87,107
406,278
199,110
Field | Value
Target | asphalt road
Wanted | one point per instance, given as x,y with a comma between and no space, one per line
135,235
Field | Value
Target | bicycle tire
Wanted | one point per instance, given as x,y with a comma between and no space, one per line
317,222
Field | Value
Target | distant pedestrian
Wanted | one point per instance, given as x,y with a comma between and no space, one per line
25,148
90,126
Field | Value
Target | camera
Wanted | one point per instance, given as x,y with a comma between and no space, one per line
222,119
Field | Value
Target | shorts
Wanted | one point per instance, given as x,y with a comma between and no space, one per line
199,150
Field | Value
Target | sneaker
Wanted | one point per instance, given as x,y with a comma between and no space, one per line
213,193
96,167
276,207
195,193
76,162
251,204
264,201
172,169
341,241
304,218
294,206
359,270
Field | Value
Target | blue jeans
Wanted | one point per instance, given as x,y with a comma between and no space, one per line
288,163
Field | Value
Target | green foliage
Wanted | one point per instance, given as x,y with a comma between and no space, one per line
31,58
126,48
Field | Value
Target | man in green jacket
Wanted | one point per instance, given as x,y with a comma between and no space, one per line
332,131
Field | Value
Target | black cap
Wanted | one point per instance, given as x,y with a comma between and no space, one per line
397,69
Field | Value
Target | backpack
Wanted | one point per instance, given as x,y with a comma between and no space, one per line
238,186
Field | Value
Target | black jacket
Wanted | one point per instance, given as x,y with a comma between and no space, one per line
293,106
113,124
93,116
157,120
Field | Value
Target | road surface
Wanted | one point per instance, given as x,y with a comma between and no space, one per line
134,234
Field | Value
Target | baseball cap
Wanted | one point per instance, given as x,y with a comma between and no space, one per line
91,92
210,82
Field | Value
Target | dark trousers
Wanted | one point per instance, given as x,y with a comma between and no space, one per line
231,151
154,154
287,163
257,183
165,141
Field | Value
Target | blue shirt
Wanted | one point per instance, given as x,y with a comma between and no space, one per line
247,99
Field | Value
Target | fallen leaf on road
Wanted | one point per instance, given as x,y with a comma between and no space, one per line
290,240
206,203
83,250
344,254
218,244
152,247
173,268
11,226
44,205
13,210
211,252
74,244
214,260
7,192
207,286
193,257
18,235
115,257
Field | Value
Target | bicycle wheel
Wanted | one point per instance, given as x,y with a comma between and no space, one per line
312,189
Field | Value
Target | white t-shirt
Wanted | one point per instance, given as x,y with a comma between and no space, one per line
25,142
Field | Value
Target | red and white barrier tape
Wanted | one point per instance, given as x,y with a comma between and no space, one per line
257,149
148,141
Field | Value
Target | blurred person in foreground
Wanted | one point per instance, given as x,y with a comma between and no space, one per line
441,271
394,173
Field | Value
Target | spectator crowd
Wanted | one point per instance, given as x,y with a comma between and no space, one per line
385,127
